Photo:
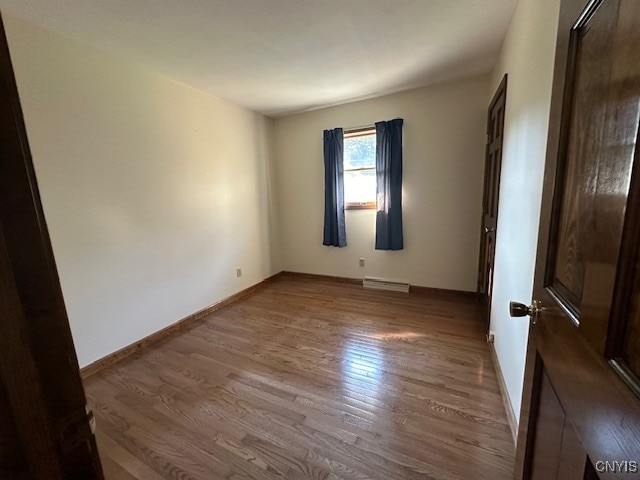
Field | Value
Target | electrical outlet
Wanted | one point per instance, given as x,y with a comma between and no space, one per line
361,262
238,272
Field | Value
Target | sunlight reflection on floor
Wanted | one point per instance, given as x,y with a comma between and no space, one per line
396,336
363,361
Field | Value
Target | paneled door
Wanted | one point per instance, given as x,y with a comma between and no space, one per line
581,402
489,224
45,427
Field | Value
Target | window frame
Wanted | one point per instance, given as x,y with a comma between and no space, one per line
354,133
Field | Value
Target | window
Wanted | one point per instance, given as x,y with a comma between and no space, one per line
360,168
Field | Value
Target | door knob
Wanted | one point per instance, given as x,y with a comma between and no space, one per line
487,229
517,309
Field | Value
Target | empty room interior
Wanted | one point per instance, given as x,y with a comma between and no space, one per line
336,239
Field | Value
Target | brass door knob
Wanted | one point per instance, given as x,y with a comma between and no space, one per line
517,309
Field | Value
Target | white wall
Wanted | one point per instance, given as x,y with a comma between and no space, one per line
153,192
444,131
527,56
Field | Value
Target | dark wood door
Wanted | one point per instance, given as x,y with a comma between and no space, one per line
45,431
581,406
489,224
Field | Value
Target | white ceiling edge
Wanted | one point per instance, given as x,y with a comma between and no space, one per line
281,57
434,83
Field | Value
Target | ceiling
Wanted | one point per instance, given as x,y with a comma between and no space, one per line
283,56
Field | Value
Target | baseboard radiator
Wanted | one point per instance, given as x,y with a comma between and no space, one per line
382,284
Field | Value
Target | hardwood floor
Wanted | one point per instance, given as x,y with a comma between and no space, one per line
310,379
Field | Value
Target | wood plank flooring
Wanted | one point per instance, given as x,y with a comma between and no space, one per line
310,379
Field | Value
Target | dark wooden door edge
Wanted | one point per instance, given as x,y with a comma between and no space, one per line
20,378
38,359
566,357
501,90
500,94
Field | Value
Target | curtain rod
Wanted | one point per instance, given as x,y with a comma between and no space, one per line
354,131
361,127
371,126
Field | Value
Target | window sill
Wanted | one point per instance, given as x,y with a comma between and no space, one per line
360,206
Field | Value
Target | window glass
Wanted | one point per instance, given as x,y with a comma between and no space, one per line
360,170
